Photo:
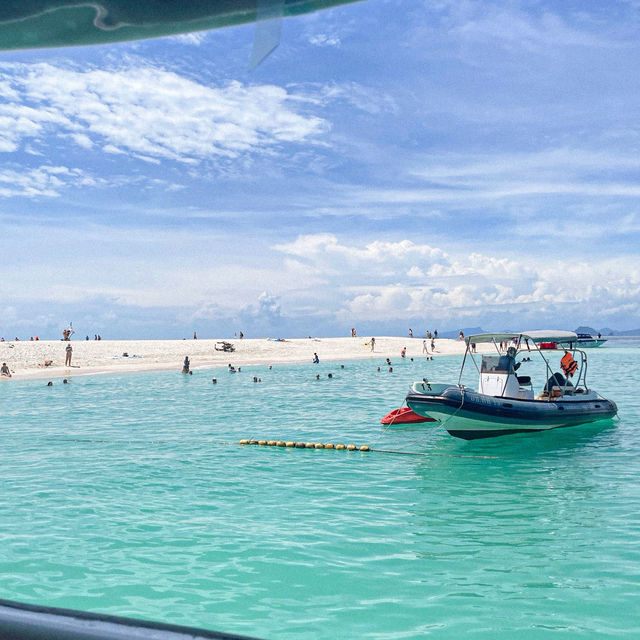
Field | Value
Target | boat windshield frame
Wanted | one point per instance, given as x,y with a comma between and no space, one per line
517,340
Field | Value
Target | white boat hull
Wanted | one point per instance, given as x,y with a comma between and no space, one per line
470,415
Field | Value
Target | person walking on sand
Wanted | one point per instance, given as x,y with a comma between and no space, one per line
424,347
373,344
67,360
316,360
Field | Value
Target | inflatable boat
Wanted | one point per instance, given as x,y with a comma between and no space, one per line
506,402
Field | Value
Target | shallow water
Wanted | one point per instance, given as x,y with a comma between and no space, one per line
126,495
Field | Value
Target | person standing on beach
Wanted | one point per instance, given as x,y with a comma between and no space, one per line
67,360
424,347
186,365
373,344
316,360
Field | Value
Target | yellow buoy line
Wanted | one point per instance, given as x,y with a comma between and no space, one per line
305,445
292,444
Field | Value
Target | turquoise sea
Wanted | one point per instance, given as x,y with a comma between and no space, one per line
126,494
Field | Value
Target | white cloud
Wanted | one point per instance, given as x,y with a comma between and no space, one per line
325,250
150,112
195,38
368,99
47,181
513,29
403,280
82,140
324,40
19,122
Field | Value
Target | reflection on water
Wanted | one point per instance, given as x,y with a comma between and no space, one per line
123,494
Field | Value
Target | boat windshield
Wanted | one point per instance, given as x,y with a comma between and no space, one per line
497,364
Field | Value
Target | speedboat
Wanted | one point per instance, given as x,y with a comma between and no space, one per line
506,402
585,341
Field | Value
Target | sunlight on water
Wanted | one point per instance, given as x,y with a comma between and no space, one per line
126,495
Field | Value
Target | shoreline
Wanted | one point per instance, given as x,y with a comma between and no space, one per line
91,357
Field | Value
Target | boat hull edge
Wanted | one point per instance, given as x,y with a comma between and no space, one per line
471,416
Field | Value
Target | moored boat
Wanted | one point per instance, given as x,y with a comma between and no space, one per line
506,402
585,341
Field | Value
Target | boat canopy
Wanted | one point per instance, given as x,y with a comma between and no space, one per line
535,336
550,335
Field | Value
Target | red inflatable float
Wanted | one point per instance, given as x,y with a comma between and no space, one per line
404,415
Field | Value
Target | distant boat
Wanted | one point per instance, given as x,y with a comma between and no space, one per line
506,403
584,341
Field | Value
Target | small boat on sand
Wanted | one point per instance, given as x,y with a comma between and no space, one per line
404,415
506,402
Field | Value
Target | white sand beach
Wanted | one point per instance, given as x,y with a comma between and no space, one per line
26,359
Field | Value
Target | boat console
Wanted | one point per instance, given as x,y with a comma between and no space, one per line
498,377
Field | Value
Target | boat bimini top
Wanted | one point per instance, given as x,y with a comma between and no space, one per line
534,336
497,372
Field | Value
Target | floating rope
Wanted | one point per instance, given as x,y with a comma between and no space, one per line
306,445
291,444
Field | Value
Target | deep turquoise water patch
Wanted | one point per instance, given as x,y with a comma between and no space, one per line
120,494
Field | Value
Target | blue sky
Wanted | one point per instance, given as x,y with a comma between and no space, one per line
392,164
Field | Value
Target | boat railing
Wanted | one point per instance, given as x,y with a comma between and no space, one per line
431,388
